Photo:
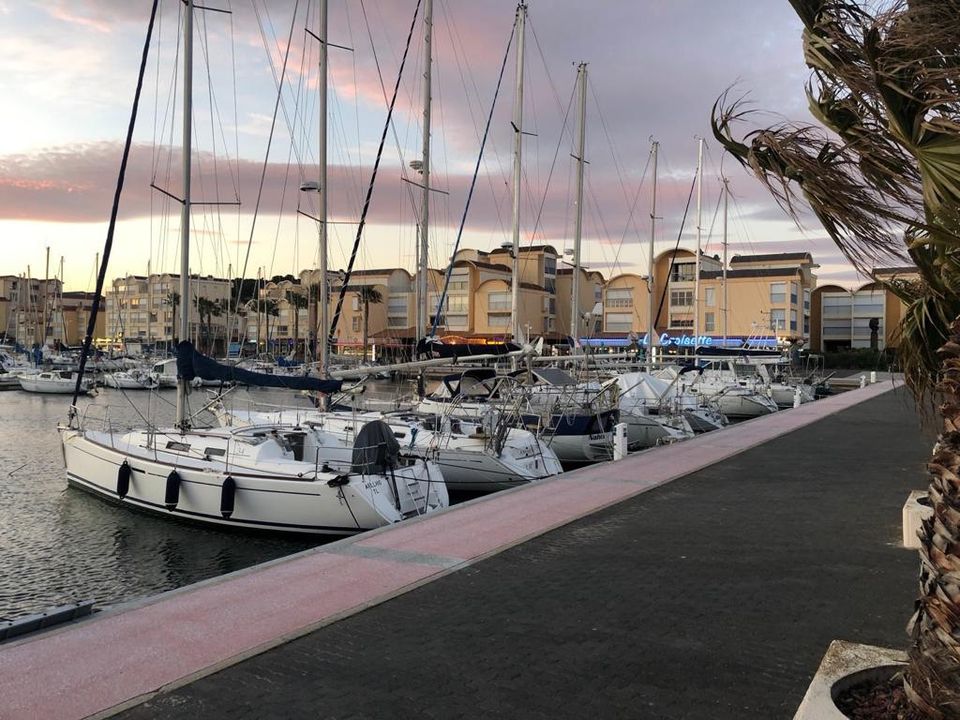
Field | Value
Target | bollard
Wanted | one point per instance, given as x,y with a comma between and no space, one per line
796,396
863,381
619,441
873,376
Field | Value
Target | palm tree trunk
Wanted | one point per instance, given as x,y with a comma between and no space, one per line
366,318
931,681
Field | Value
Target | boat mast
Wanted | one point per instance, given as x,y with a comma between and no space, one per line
696,270
182,419
517,151
652,326
46,297
578,222
322,196
423,312
726,197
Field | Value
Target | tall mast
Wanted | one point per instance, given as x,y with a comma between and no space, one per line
182,420
578,222
652,326
322,196
149,300
696,277
517,151
726,197
46,296
423,312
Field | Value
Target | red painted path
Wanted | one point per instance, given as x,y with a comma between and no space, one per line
120,658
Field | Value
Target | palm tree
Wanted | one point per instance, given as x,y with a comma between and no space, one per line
885,182
367,295
298,302
173,300
207,308
269,307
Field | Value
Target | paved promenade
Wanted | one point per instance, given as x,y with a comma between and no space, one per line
713,596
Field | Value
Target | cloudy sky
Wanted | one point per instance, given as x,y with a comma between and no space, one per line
68,70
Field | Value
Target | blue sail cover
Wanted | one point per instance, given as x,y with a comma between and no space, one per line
191,364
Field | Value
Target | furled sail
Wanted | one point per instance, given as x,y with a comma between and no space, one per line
191,364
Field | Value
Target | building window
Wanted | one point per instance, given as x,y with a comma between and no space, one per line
710,296
806,301
550,285
456,322
356,323
397,305
620,298
709,322
499,301
458,303
681,298
680,322
778,292
778,319
549,265
498,320
619,322
397,322
597,294
683,272
793,320
459,285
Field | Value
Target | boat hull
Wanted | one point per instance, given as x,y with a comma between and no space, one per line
261,502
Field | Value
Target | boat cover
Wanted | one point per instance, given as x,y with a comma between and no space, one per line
191,364
376,450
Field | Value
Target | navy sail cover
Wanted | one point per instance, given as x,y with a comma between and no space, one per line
191,364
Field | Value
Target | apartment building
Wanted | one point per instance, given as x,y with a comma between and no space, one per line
146,309
25,305
759,296
842,317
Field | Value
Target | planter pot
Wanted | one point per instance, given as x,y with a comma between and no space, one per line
844,665
915,510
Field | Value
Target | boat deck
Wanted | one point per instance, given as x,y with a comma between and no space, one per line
605,592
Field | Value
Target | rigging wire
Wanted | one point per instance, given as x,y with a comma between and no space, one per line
114,211
373,178
473,182
673,257
266,159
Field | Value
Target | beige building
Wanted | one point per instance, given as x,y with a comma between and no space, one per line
841,318
26,304
146,309
759,298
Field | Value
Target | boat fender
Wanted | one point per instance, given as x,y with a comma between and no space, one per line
339,481
172,495
123,480
228,494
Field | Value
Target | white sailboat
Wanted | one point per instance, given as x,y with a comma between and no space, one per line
53,382
251,478
473,455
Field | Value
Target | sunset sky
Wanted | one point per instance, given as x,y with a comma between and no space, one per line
68,71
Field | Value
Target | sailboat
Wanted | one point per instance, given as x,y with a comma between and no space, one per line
254,478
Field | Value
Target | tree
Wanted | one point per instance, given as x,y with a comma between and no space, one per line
269,307
207,308
882,175
173,300
298,302
367,295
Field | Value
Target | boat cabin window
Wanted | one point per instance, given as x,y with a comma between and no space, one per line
178,446
214,452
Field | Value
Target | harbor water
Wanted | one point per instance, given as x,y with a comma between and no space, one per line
60,545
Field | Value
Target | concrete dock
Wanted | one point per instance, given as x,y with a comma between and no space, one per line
700,580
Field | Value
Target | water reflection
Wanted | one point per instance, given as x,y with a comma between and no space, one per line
60,545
